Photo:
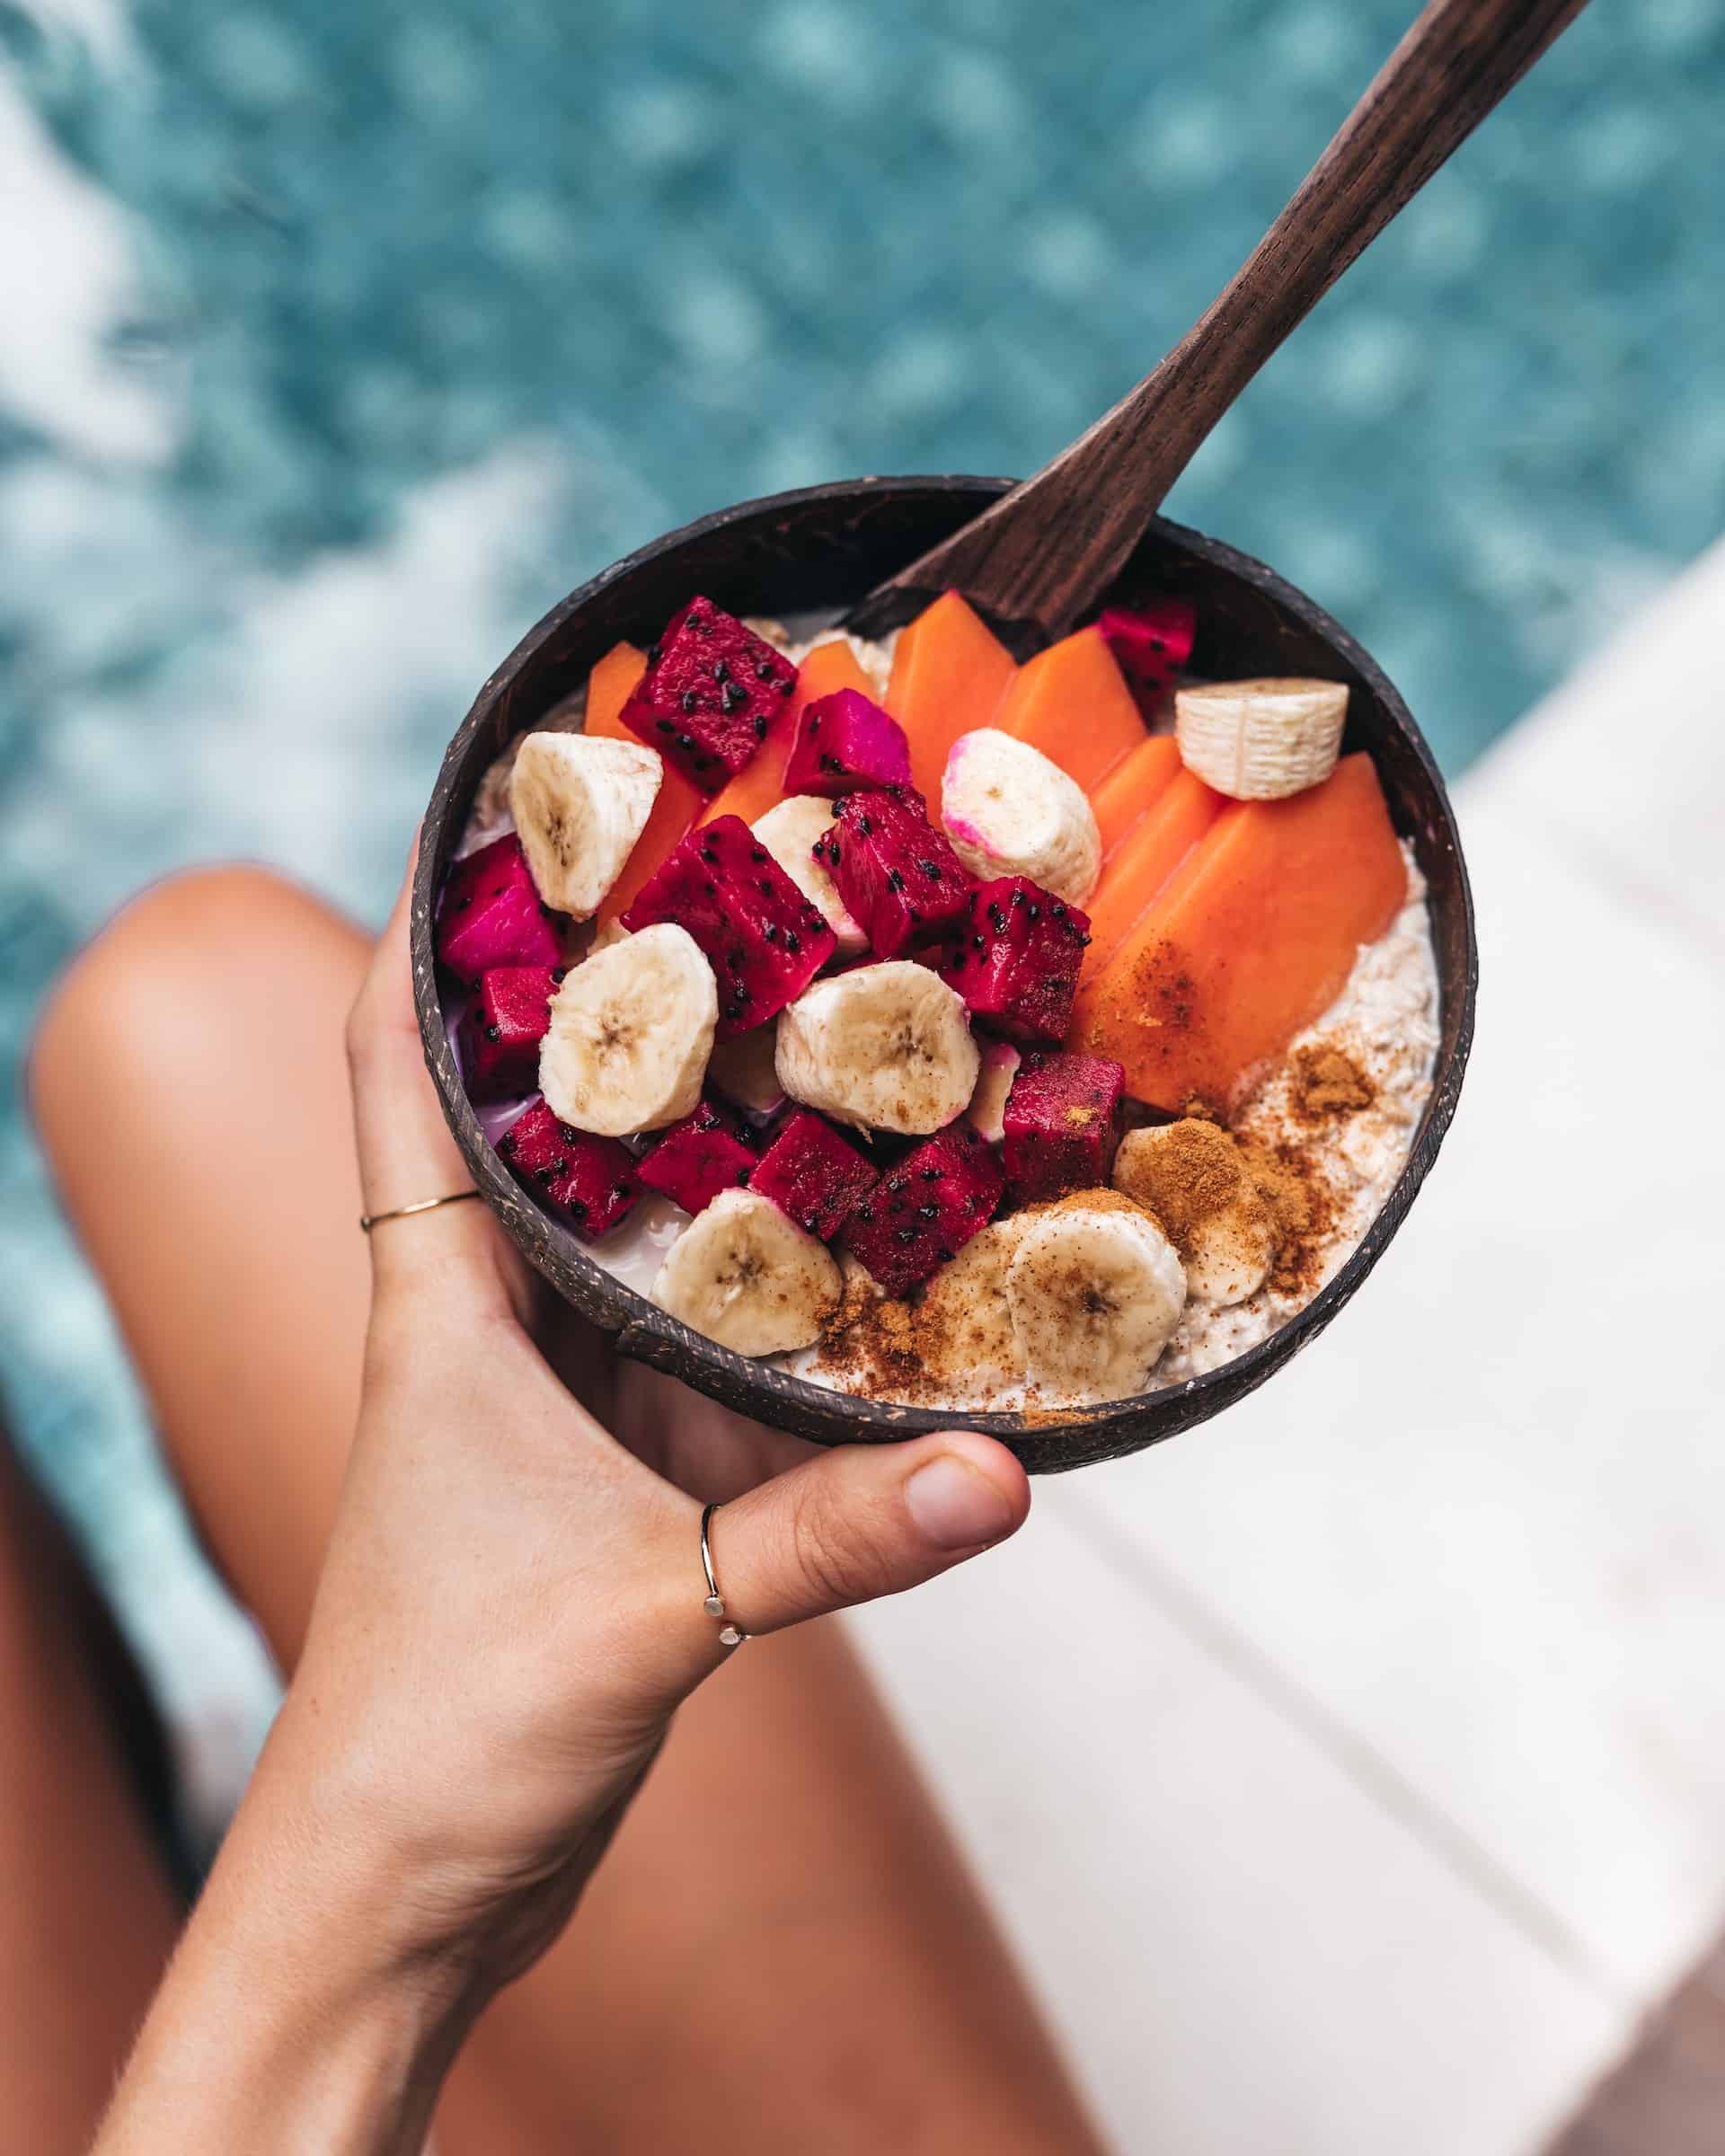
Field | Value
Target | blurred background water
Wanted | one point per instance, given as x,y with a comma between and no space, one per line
335,342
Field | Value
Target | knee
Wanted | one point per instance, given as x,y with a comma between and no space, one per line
154,984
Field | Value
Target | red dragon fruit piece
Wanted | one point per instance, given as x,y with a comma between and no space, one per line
698,1158
591,1182
895,871
710,695
763,939
1151,643
923,1211
813,1174
492,914
1062,1126
500,1037
844,741
1015,958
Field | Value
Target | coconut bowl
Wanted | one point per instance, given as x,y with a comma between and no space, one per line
818,550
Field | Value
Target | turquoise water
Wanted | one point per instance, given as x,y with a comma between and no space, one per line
338,341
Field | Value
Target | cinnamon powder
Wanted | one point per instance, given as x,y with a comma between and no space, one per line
952,1334
1192,1171
1196,1171
928,1344
1291,1180
1324,1083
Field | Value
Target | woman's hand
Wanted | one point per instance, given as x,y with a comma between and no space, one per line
510,1612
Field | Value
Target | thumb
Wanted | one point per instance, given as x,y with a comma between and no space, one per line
861,1520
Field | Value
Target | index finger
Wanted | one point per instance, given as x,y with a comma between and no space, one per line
406,1153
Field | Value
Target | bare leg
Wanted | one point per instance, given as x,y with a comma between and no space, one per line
89,1918
783,1949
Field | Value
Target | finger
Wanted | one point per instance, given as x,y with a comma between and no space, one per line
406,1152
848,1526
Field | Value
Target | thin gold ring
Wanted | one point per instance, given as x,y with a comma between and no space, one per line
369,1220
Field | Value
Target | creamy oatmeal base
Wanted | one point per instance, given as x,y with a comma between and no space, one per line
1384,1023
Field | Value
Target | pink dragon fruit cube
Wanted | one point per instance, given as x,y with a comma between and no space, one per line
698,1158
587,1181
1015,958
1151,643
711,692
846,741
923,1211
895,871
813,1174
1062,1126
492,915
763,939
498,1039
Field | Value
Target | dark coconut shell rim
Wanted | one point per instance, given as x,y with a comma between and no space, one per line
822,547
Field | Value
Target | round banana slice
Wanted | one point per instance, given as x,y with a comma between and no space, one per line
966,1307
1261,741
631,1028
1095,1290
580,802
489,817
1194,1178
789,833
1229,1256
747,1276
886,1047
1009,811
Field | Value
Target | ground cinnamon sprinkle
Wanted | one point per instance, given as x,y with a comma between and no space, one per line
1324,1083
931,1343
1193,1170
875,1338
956,1334
1293,1184
1100,1200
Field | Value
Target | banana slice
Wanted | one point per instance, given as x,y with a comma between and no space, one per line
887,1047
789,833
747,1276
580,802
1094,1289
631,1031
967,1308
1009,811
489,817
1194,1178
1261,741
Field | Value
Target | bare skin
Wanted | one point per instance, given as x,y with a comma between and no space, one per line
90,1919
782,1913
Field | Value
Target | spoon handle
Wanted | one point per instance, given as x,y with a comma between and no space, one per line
1040,556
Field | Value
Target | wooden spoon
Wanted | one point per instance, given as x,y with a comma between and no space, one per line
1044,553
